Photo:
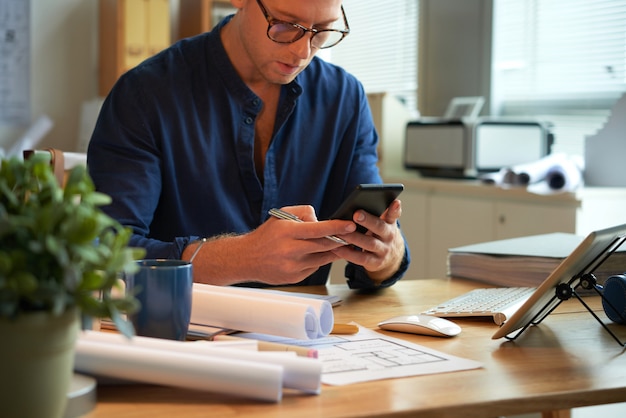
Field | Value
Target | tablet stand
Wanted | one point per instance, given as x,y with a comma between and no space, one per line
586,280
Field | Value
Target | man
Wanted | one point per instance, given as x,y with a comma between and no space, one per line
201,140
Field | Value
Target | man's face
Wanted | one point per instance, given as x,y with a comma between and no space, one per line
280,63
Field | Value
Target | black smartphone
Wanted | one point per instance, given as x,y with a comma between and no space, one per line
372,198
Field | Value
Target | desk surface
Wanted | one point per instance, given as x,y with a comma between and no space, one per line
567,361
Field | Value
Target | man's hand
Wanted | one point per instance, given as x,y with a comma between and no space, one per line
278,252
381,248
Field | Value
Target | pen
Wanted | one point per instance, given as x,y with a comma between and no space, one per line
281,214
272,346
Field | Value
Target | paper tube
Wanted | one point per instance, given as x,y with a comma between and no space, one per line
299,373
323,308
558,170
254,313
190,371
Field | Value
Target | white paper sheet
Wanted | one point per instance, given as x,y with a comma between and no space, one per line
299,373
264,312
370,355
250,379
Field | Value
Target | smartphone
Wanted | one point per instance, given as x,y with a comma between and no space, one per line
372,198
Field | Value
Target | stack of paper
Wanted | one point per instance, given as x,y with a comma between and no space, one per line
523,261
199,365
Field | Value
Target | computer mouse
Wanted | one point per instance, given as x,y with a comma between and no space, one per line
421,324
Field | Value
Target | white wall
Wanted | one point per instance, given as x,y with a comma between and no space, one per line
64,68
455,53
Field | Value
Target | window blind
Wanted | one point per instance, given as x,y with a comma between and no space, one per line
560,50
559,60
381,50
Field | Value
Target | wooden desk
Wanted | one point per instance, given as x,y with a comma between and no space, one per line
568,361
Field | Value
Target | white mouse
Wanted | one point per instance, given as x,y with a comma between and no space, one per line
421,324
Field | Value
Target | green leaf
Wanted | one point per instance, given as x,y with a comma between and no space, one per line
58,249
123,325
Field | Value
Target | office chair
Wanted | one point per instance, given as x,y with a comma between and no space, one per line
60,161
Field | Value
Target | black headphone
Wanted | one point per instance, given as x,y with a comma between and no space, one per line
614,298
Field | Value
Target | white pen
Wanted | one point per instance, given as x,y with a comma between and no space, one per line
281,214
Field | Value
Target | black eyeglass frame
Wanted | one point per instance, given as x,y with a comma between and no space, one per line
271,21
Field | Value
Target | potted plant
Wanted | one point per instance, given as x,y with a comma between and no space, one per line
60,259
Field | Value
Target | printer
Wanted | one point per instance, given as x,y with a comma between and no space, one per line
467,147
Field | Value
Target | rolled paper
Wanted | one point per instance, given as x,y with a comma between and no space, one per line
254,313
298,372
209,373
558,170
323,309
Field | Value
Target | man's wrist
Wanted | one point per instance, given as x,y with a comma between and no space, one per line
192,249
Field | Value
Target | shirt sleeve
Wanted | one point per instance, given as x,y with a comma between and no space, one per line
358,278
123,135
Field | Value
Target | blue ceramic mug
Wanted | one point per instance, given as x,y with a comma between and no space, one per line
164,290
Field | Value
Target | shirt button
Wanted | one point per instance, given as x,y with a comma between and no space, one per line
249,120
255,102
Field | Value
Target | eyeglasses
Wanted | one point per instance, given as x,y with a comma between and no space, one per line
287,32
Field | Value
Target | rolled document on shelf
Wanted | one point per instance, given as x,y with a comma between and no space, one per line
505,177
558,171
217,374
253,310
566,176
555,172
301,373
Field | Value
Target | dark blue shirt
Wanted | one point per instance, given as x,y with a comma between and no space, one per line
174,148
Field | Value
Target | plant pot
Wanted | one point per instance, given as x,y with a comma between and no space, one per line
37,362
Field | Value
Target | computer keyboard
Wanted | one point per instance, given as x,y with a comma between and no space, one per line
498,302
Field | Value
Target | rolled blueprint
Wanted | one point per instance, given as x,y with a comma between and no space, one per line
190,371
323,308
557,170
299,373
253,311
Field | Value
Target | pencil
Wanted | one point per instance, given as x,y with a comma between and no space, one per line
272,346
344,329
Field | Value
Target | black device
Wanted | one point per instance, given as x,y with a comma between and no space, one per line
614,298
372,198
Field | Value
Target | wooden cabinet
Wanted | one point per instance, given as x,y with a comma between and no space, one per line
439,214
452,221
464,212
415,203
198,16
130,31
458,219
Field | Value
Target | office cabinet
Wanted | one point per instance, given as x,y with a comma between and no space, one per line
198,16
414,218
456,220
438,214
521,218
130,31
452,221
